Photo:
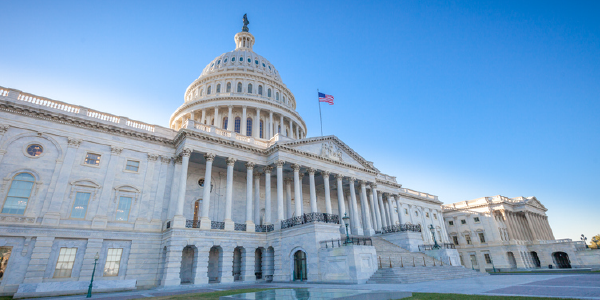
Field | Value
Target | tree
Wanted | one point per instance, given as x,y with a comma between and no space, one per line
595,244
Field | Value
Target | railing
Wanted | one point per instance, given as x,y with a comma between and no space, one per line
140,125
358,241
202,127
46,102
580,246
419,194
192,223
217,225
223,132
264,228
401,228
239,227
442,246
3,92
310,218
243,138
103,116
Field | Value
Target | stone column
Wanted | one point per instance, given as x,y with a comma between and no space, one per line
325,175
203,116
249,223
160,191
538,229
291,134
350,214
355,227
281,124
297,134
363,199
256,132
387,209
301,195
244,122
541,228
179,220
288,197
313,191
547,223
400,210
99,218
248,261
230,121
280,216
511,234
373,216
271,125
201,257
340,198
217,119
229,224
226,262
380,213
297,196
530,226
268,211
257,198
204,220
390,203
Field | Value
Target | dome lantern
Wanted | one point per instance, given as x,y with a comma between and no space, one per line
244,41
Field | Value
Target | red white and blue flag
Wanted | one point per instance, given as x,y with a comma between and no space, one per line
326,98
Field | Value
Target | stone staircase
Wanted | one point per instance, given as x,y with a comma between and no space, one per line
398,265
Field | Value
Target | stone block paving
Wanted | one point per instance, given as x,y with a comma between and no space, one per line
574,286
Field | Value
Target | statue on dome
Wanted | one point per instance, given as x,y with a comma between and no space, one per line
245,28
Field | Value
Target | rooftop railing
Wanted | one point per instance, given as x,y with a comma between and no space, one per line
232,135
418,194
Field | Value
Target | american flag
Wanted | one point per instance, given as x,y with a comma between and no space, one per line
326,98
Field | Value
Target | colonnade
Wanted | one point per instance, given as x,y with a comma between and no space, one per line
527,225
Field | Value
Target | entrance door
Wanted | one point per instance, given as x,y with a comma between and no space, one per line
299,265
562,260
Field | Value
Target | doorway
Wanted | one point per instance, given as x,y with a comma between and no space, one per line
300,265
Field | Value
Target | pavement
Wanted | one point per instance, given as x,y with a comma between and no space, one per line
575,286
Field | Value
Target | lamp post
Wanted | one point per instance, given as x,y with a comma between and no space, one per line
435,244
584,239
89,294
346,219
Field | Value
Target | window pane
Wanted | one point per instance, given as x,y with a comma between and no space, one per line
237,125
132,165
113,262
92,159
80,205
64,265
249,127
123,209
18,194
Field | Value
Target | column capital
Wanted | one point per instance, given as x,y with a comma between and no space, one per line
230,106
152,157
256,174
296,167
373,185
250,165
73,143
352,179
165,159
286,180
280,163
311,171
114,150
268,169
177,160
325,174
209,156
244,107
231,161
363,182
339,176
301,176
186,152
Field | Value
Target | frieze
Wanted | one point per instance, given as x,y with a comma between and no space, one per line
14,219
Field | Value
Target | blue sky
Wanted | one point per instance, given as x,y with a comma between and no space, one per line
458,99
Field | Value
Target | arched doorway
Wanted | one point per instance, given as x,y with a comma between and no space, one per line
561,260
187,265
237,263
536,259
197,204
300,266
258,263
511,260
215,264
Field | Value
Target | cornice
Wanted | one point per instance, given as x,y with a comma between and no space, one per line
43,114
186,133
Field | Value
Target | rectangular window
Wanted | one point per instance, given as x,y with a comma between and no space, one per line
455,240
463,222
476,219
435,216
474,260
113,262
468,238
123,209
406,211
92,159
64,265
488,258
481,237
80,205
451,223
132,166
427,215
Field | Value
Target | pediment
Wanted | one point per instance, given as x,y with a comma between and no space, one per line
533,201
332,148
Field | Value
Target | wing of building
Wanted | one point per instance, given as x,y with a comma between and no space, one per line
233,190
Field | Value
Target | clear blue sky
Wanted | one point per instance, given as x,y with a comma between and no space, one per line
461,99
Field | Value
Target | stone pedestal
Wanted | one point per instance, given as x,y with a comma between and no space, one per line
178,222
347,264
445,255
229,225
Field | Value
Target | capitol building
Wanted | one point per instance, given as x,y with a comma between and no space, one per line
235,190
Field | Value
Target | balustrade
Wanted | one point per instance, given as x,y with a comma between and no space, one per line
401,228
310,218
442,246
264,228
239,227
357,241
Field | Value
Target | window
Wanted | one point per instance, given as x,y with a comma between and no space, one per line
277,96
123,209
80,205
263,65
113,262
269,93
225,61
201,182
233,59
260,90
451,223
455,240
249,127
416,213
239,89
468,238
18,194
208,90
406,211
92,159
427,215
229,87
218,88
256,62
34,150
201,92
225,120
435,216
463,222
132,166
64,265
261,129
219,62
237,124
249,59
488,258
481,237
249,88
476,219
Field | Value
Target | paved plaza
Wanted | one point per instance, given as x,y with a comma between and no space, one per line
586,286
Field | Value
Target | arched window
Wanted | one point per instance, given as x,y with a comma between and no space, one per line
249,88
18,194
239,89
249,127
208,90
261,129
218,88
269,93
229,87
237,124
201,92
225,122
260,90
277,96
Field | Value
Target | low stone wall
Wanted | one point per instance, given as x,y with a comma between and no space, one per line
445,255
72,287
347,264
407,240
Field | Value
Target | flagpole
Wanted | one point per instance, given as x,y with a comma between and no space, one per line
320,117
